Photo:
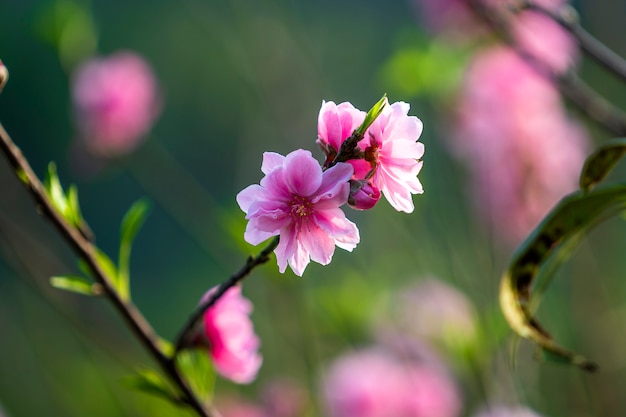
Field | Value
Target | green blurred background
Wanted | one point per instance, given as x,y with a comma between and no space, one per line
240,77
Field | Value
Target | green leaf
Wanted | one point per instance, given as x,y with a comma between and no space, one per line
198,370
108,267
372,115
131,223
73,207
74,284
133,220
556,236
601,162
151,382
55,190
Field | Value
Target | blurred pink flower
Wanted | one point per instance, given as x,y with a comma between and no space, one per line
238,407
433,311
116,102
391,145
284,398
544,38
523,152
374,383
503,411
233,345
299,202
537,34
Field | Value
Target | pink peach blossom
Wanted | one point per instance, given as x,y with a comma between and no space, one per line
336,122
391,153
523,152
116,102
300,203
391,142
233,345
375,383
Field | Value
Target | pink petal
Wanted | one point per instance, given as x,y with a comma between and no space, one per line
343,231
333,191
286,247
318,244
302,174
271,160
249,195
299,259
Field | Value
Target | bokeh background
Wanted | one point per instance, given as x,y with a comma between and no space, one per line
237,78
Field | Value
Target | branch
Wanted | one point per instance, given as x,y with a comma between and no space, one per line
580,94
568,19
86,250
251,263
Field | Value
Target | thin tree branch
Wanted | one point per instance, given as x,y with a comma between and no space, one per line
579,93
85,249
568,19
251,263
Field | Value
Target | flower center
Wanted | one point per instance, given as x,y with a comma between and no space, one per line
300,207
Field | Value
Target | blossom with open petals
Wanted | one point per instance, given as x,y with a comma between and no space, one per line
233,345
300,203
391,157
391,145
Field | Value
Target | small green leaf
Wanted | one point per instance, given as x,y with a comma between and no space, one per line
74,284
55,190
108,267
131,223
22,176
133,220
73,207
372,115
601,162
151,382
554,238
198,370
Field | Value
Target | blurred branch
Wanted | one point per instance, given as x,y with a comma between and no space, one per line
568,19
251,263
87,251
571,86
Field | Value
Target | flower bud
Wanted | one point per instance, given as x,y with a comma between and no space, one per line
363,195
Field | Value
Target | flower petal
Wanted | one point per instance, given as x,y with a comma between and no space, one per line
271,160
302,174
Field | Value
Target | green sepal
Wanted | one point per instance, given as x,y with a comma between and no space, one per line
198,371
600,163
372,115
75,284
151,382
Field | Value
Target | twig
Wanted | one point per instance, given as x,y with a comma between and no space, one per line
85,249
568,19
251,263
580,94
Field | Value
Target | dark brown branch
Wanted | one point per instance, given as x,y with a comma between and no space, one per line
85,249
568,19
580,94
251,263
